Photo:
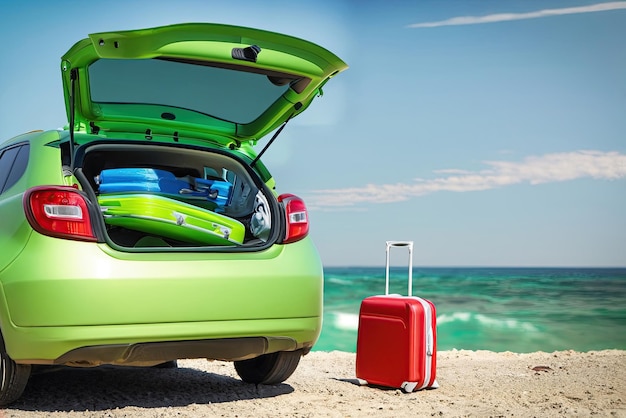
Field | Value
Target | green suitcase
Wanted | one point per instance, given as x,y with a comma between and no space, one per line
170,218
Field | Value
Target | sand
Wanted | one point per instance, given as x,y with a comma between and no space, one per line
472,383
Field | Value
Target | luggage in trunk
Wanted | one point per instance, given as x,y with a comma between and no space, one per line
192,189
161,216
397,337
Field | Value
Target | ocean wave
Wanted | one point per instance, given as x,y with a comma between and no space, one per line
345,321
350,321
336,280
456,316
485,320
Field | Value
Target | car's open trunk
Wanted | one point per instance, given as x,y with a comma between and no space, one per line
161,195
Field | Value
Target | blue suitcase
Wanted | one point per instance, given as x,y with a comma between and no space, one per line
137,180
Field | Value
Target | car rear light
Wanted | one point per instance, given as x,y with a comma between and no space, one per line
58,211
296,216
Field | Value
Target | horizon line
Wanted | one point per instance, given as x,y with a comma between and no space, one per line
477,266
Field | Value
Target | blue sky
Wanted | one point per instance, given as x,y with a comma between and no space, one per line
490,133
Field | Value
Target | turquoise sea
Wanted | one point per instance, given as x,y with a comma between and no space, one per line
498,309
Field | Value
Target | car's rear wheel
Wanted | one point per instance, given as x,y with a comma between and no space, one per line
270,368
13,377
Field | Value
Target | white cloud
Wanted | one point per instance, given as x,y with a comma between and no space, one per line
533,170
504,17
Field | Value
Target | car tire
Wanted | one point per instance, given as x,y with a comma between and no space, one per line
13,377
270,368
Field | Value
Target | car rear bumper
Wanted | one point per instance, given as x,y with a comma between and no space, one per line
85,298
157,343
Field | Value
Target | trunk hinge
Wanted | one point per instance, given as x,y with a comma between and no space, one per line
278,131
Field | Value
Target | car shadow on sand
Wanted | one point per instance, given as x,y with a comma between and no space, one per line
110,387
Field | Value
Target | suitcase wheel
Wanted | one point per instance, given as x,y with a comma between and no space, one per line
409,387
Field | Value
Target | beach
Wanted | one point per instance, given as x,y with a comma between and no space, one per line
472,383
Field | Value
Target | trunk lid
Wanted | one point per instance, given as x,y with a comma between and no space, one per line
216,82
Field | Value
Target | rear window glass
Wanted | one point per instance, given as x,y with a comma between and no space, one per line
224,93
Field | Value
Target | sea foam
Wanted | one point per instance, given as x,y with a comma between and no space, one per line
486,321
346,321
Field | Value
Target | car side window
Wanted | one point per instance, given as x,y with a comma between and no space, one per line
13,163
19,167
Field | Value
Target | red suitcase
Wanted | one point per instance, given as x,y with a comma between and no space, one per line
397,337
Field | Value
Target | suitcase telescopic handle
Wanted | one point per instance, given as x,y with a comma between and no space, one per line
408,244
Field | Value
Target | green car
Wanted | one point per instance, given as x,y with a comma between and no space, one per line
149,230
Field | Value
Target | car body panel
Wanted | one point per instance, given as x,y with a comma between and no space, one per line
42,294
157,287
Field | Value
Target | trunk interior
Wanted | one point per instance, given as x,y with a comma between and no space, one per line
156,195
